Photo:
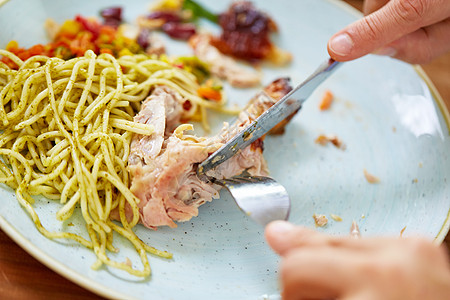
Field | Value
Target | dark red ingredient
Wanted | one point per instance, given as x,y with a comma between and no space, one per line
165,16
143,38
111,22
187,105
182,31
246,32
112,13
112,16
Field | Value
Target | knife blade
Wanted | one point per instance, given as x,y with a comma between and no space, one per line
270,118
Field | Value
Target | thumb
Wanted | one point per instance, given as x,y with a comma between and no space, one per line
395,19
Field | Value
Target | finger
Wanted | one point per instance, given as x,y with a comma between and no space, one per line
283,237
394,20
361,294
323,273
423,249
422,45
444,255
370,6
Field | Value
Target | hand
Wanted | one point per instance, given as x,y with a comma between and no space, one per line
318,266
415,31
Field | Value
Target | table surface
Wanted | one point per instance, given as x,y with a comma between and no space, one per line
23,277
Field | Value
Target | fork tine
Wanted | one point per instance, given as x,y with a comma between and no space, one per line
245,176
243,179
261,198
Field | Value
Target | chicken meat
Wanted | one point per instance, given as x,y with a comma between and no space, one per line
163,165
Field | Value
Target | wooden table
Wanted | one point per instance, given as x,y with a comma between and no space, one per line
23,277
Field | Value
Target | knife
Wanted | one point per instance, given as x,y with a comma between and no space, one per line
270,118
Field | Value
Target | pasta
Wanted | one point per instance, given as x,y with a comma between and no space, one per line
67,127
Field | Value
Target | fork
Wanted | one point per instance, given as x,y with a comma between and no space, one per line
261,198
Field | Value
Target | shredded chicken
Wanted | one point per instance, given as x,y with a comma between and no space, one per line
323,140
163,165
371,178
51,28
156,45
320,220
221,65
163,109
336,217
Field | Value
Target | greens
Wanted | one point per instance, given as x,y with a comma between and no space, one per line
198,11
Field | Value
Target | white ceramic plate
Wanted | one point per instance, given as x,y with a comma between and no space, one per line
391,122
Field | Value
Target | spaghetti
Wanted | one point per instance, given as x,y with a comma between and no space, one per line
67,128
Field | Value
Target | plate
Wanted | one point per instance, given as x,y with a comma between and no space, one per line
387,114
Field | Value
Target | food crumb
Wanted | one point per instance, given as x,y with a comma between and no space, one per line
354,231
415,180
420,165
336,217
128,262
325,139
320,220
70,224
348,104
363,216
371,178
394,129
327,100
402,231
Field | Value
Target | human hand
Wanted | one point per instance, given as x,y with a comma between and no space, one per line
415,31
319,266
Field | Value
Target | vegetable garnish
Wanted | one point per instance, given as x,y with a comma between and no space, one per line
198,11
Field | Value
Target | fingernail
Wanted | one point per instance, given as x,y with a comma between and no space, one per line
386,51
281,227
341,44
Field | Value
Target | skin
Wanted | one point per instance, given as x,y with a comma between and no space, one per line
319,266
415,31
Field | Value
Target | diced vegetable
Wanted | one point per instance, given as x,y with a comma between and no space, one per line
167,5
112,13
69,29
143,38
91,26
166,16
198,11
195,66
182,31
112,16
75,37
327,100
209,93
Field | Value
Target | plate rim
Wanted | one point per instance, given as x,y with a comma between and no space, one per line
446,115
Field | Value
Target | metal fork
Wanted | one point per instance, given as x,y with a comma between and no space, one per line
261,198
